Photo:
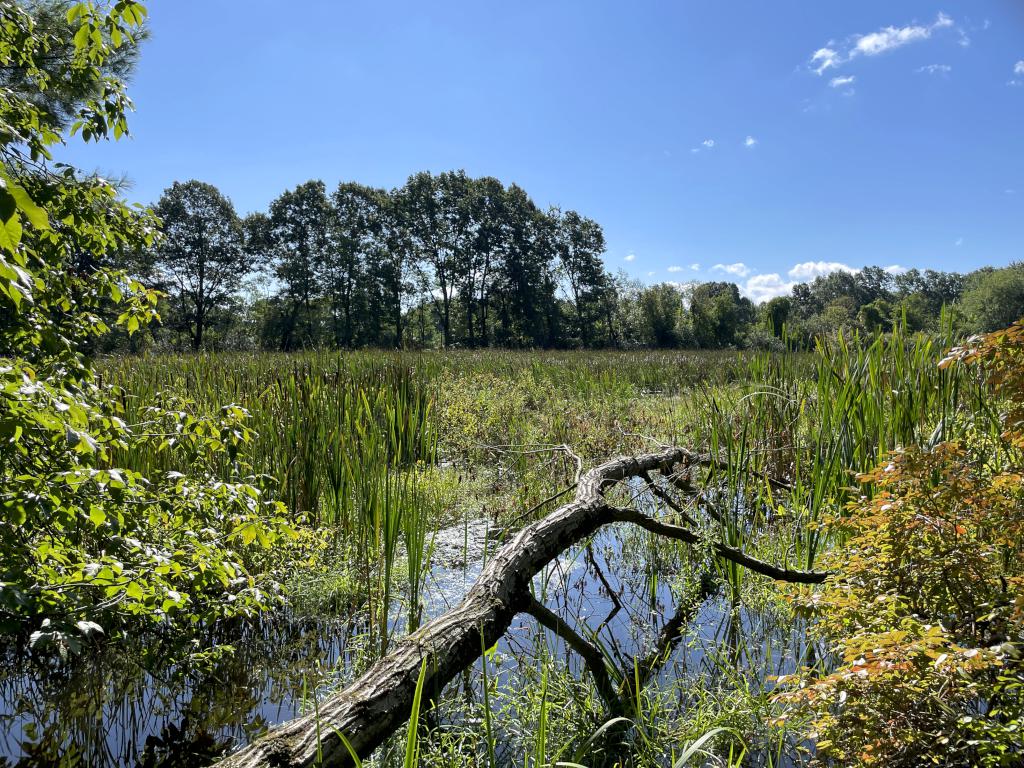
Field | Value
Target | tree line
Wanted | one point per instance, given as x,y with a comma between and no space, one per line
444,260
448,260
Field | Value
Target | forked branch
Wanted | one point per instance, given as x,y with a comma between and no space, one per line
374,706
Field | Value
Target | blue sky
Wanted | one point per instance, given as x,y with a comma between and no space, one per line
775,140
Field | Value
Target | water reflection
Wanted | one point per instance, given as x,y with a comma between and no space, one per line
122,707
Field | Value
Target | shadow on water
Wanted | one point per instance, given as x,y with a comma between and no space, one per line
122,706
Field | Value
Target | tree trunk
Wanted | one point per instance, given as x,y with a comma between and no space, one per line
398,319
197,340
373,707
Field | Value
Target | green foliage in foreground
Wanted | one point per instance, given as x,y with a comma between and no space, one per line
144,509
925,610
88,544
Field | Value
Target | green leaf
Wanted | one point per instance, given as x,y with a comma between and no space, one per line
81,38
134,591
36,216
8,205
10,234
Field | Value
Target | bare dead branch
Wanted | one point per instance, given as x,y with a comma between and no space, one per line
374,706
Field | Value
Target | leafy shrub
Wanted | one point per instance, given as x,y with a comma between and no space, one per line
926,608
88,545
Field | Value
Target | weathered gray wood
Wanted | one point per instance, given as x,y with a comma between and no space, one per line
378,703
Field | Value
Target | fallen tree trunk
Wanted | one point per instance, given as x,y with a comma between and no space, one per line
373,707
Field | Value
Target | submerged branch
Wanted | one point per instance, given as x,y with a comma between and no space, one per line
587,651
374,706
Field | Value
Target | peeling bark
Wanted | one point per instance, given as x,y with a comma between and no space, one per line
373,707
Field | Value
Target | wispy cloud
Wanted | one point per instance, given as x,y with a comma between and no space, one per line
675,269
749,142
825,58
896,269
839,82
1018,69
739,269
834,55
891,38
808,270
935,69
695,267
630,257
959,242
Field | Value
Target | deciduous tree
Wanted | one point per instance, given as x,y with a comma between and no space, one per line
201,253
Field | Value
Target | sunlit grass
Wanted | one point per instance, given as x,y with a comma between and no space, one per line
378,451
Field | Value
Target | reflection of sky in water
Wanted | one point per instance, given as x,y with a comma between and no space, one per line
606,587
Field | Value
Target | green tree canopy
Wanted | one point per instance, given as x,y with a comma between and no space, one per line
201,256
88,543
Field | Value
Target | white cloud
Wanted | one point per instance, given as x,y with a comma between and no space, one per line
839,82
832,56
630,257
695,267
761,288
749,142
895,37
675,269
808,270
959,242
1018,68
682,286
650,274
739,269
709,143
825,58
935,69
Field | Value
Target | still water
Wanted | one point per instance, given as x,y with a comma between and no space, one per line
126,708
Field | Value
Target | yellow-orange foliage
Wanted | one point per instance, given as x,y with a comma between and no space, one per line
926,611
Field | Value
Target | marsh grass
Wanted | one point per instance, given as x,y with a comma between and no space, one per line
377,451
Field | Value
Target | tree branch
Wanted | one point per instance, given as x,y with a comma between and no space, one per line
374,706
590,654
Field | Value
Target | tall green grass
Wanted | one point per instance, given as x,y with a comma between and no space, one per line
354,443
863,398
